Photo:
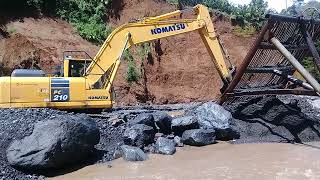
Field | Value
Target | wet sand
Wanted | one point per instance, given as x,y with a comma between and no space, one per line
219,161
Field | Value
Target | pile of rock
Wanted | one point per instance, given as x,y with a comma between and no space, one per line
161,133
55,143
44,139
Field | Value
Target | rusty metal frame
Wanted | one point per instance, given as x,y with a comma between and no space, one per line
294,34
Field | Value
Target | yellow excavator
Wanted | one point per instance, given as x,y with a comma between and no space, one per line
85,83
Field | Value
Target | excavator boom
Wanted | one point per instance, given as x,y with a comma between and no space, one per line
151,29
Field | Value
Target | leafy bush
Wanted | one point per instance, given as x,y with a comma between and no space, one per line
308,63
252,14
132,73
221,5
127,55
93,31
143,50
88,17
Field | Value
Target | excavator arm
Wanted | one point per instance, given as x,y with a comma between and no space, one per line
102,71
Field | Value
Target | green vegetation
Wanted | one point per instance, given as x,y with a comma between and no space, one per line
141,52
252,15
307,10
308,63
132,74
127,55
88,17
12,30
299,7
246,31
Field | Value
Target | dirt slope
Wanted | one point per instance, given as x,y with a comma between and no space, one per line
179,70
42,39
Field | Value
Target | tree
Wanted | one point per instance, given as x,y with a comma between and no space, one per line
311,9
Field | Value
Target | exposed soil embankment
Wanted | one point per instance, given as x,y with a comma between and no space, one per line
41,42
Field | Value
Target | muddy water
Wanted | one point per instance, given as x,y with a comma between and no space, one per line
219,161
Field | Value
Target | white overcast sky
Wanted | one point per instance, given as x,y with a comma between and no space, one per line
274,4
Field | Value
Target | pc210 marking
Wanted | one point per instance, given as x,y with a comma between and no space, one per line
60,95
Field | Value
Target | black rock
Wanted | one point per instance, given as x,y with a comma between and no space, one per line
212,116
179,125
227,134
198,137
163,122
55,143
130,153
165,146
276,119
139,135
145,118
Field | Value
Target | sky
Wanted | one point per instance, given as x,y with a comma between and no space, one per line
274,4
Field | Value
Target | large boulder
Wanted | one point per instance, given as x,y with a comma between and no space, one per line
130,153
145,118
198,137
276,118
55,143
179,125
139,135
257,130
212,116
163,122
165,146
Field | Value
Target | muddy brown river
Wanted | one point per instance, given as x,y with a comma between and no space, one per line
219,161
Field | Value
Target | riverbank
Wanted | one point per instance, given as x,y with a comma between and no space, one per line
219,161
277,119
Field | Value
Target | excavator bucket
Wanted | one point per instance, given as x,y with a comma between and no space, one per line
273,65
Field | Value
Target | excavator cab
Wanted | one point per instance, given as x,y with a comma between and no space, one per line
75,64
